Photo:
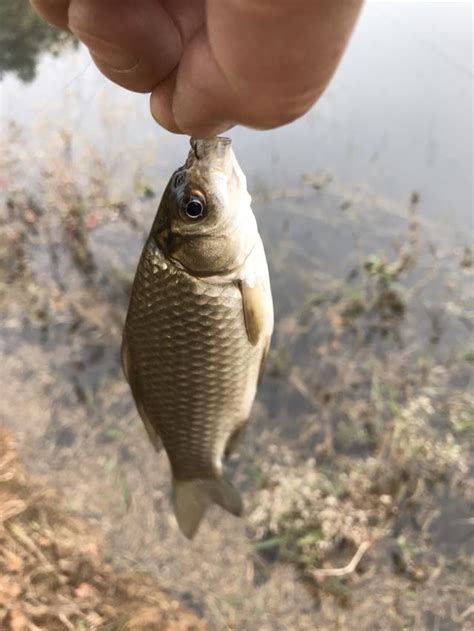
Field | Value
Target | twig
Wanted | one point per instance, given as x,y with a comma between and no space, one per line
300,386
465,614
11,508
347,569
65,620
20,535
430,519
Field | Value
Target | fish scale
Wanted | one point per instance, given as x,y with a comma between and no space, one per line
188,341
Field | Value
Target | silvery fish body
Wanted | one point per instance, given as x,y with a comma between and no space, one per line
198,326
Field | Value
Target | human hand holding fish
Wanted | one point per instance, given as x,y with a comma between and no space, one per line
210,65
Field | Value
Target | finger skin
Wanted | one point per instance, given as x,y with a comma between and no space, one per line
266,62
161,103
143,32
136,44
211,65
53,11
209,105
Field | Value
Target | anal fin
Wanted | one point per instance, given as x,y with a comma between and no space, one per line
234,440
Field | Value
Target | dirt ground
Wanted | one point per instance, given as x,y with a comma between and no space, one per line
53,574
357,467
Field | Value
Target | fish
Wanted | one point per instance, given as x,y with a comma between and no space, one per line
199,326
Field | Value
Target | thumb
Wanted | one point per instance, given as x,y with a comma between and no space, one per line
260,64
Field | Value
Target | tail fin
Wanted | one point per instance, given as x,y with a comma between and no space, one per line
192,498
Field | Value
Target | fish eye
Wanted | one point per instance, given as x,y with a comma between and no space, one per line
194,208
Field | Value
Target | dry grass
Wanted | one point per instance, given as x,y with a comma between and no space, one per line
52,572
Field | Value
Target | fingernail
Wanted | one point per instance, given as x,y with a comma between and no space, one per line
114,57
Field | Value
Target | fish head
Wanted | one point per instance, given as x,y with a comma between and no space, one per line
205,222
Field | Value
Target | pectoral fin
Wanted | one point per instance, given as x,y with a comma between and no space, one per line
254,301
263,361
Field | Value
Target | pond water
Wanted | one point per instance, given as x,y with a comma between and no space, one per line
397,116
363,425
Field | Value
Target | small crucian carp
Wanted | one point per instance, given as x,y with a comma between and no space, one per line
199,325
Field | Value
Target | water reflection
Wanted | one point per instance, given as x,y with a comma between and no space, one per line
23,37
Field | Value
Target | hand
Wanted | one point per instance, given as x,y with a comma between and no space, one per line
213,64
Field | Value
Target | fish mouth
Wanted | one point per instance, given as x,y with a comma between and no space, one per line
216,152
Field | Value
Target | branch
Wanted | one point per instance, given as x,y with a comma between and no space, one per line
347,569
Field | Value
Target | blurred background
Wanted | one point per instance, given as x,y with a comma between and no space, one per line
357,466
